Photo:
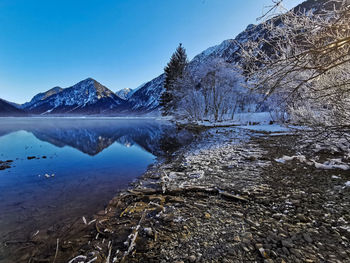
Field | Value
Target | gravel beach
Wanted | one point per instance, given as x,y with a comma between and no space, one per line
224,198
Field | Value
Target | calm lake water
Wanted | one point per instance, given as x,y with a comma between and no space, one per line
92,159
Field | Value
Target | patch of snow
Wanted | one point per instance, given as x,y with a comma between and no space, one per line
256,117
300,158
280,160
328,165
266,128
125,94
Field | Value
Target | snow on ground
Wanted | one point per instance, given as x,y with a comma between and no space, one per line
266,128
256,117
300,158
258,121
328,165
241,119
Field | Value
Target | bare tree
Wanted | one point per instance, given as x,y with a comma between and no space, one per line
213,92
305,62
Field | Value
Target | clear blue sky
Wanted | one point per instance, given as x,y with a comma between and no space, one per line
120,43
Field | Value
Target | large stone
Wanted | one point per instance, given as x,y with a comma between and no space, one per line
287,243
302,218
192,258
307,238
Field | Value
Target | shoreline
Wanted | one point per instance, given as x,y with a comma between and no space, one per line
221,199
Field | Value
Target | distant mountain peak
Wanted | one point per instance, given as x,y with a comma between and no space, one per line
86,97
125,94
89,79
91,97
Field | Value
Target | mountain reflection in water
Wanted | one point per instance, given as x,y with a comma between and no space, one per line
92,160
91,136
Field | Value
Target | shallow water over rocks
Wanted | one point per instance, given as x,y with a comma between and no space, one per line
57,170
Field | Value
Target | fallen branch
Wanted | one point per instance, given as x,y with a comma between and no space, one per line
189,189
132,238
54,260
14,242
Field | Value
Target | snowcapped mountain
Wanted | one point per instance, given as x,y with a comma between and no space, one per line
86,97
125,94
146,97
6,109
39,97
91,97
229,50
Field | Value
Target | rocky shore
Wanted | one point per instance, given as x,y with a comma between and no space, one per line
225,198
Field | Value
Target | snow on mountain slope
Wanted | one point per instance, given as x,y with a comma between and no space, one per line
39,97
125,94
146,98
86,97
148,95
90,97
229,50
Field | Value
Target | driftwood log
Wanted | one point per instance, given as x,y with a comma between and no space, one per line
187,190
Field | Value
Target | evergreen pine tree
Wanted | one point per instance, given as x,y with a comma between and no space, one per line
173,71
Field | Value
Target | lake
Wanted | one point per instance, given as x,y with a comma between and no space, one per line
64,168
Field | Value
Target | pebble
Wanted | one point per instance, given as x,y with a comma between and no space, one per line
192,258
237,239
302,218
279,225
148,231
285,250
247,237
307,238
277,216
287,243
237,214
263,252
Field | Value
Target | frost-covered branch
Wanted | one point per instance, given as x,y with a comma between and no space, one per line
213,92
305,61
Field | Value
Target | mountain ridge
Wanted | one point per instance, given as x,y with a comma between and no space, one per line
144,99
41,96
7,109
86,97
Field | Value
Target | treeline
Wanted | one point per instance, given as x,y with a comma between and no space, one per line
213,92
299,67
